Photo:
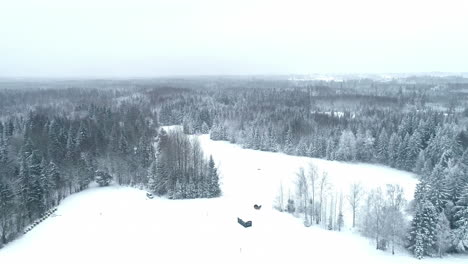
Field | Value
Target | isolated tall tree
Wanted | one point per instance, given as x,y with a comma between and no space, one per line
313,181
355,195
394,222
302,192
323,187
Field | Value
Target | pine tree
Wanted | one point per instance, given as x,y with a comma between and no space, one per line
456,181
215,191
422,235
124,148
346,147
55,147
461,230
103,178
382,147
443,234
35,194
368,147
460,233
57,179
420,162
288,141
413,150
7,208
46,184
82,137
205,129
3,151
71,150
393,146
153,176
438,192
402,153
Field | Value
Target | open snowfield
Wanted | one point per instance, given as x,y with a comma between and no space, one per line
120,225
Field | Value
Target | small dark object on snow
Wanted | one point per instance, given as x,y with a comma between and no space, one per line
244,224
258,207
149,195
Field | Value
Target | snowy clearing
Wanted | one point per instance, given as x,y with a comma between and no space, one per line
121,225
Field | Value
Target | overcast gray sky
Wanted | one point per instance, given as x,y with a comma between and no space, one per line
138,38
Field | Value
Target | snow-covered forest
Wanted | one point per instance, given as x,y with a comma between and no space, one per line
58,136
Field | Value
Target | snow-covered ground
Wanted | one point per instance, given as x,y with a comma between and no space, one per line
120,225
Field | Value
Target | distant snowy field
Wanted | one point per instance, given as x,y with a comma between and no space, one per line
120,225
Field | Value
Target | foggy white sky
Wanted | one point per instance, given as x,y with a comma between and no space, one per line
137,38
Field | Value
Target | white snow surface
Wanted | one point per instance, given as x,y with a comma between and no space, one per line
121,225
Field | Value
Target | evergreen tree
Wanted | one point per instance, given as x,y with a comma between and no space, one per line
443,235
215,191
382,147
7,208
153,176
393,146
57,179
55,147
460,233
413,150
346,147
422,235
35,192
438,192
420,163
103,178
123,145
204,128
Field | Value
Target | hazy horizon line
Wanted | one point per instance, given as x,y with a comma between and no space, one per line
164,76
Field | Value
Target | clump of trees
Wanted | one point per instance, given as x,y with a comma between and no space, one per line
378,214
180,169
103,178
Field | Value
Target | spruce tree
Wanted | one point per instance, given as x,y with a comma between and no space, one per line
422,235
214,189
382,147
57,179
35,192
438,192
461,222
153,176
7,208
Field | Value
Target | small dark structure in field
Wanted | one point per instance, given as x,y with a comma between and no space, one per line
257,207
149,195
244,224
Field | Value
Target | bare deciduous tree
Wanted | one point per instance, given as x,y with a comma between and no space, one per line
313,177
354,197
302,190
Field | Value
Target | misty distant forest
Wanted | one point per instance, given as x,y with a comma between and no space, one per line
58,136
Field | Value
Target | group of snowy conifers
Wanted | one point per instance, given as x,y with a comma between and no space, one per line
180,170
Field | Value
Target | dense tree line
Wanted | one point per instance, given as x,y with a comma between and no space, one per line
46,155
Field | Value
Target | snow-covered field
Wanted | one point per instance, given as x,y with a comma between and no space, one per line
120,225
